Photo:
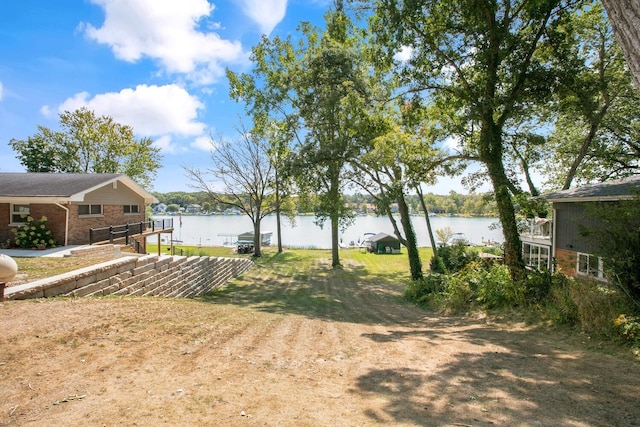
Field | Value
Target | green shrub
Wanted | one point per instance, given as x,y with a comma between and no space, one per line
597,305
455,257
459,294
560,307
420,290
537,285
34,234
628,328
497,288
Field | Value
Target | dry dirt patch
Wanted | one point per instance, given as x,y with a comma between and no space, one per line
314,348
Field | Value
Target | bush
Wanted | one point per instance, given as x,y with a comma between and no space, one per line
455,257
628,329
537,285
34,234
597,306
419,291
560,307
497,288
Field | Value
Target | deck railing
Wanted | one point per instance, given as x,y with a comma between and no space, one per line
539,228
125,231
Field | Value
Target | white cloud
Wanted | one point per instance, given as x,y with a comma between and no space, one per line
166,145
150,110
166,31
203,143
1,91
266,13
46,111
404,54
452,143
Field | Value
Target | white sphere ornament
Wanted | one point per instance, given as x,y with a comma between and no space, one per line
8,268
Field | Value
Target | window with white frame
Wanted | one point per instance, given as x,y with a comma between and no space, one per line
590,265
536,256
130,209
19,213
89,210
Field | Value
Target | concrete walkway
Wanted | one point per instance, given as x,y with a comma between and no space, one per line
59,251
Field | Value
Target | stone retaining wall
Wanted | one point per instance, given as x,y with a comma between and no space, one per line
149,275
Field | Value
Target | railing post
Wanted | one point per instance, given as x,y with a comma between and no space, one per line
126,234
110,234
91,236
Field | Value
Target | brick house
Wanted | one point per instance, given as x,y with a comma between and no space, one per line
560,239
72,203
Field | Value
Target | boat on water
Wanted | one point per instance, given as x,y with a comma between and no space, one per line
458,238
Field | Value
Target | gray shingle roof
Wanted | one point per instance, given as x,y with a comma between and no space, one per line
618,189
383,236
50,184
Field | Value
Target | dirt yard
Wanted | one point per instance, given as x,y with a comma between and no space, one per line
316,348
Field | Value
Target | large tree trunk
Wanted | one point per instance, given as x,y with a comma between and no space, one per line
625,20
334,194
257,238
278,224
430,229
491,156
415,264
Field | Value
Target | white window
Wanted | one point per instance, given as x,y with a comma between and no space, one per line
19,214
535,256
591,266
130,209
89,210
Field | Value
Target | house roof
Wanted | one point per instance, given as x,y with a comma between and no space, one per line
619,189
383,236
61,187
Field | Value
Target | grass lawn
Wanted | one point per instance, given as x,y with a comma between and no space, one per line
395,265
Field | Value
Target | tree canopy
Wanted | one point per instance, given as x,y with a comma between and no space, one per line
87,143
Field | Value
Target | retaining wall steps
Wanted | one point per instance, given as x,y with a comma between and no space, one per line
150,275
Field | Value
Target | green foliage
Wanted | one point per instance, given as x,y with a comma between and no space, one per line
495,288
628,329
561,308
620,245
597,306
34,234
420,290
555,297
453,257
89,144
596,114
537,285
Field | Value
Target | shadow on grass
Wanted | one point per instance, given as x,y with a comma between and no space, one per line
295,283
506,378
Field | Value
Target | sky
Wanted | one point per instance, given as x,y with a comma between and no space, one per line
156,65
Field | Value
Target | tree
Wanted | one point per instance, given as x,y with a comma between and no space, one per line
481,58
245,171
597,127
620,245
172,208
625,19
89,144
333,92
314,88
398,161
268,97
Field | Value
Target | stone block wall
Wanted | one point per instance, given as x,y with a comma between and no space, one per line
150,275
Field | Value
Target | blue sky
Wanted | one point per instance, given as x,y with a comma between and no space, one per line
156,65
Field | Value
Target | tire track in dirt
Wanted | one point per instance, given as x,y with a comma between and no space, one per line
320,347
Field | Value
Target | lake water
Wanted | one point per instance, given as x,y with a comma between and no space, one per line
218,230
